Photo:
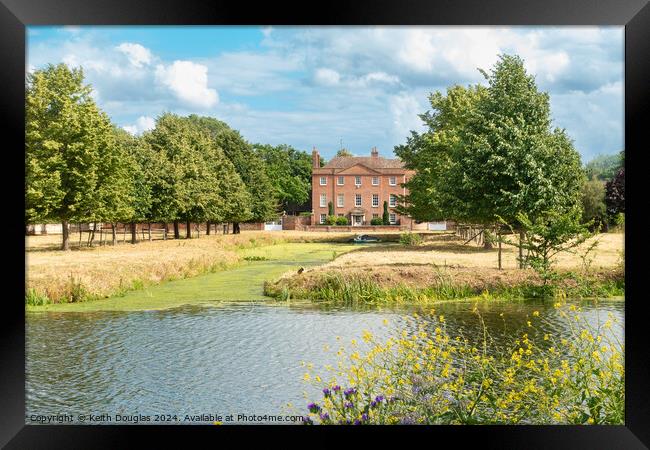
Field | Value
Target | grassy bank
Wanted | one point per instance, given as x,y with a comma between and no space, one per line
85,274
244,282
418,284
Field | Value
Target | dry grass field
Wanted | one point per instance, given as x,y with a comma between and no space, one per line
106,270
452,252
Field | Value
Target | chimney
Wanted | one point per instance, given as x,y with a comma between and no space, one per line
374,153
315,159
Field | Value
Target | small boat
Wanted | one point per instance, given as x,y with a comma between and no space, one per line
365,238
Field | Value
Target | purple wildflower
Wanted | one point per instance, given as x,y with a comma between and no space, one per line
313,407
348,404
357,422
349,392
336,388
324,416
364,417
327,392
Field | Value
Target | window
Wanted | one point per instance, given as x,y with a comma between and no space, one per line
392,181
323,200
323,218
340,215
357,200
393,218
375,200
375,181
340,181
357,181
375,216
323,181
393,200
340,200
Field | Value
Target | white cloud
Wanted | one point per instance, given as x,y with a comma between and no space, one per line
142,124
137,54
404,109
189,82
326,77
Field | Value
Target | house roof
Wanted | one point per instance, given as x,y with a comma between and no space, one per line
373,162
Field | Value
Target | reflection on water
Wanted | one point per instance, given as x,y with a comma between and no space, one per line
237,358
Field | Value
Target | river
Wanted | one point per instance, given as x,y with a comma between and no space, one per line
227,357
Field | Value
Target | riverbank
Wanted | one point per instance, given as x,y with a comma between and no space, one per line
86,274
242,281
444,269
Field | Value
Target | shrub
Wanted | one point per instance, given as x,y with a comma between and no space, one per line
331,220
409,238
424,375
341,220
376,221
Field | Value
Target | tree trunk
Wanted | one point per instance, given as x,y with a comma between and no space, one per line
235,228
149,231
487,240
225,228
188,230
521,249
499,239
92,235
113,225
177,234
207,229
134,233
66,235
165,232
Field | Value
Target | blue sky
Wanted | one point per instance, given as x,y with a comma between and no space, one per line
316,86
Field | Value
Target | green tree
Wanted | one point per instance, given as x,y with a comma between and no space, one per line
385,217
73,173
195,175
491,152
289,170
593,202
249,166
344,152
604,167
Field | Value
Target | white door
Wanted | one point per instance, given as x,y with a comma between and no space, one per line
358,220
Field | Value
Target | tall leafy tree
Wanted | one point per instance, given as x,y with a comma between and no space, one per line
249,166
289,170
188,188
69,152
491,153
593,202
615,193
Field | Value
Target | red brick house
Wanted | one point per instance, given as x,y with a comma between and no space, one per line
357,186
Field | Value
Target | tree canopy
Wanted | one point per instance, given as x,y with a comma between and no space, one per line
490,152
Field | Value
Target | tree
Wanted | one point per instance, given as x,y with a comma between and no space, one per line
615,194
385,217
550,234
604,167
289,170
195,174
69,152
249,166
344,152
490,152
330,208
593,202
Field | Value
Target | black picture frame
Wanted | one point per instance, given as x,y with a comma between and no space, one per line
15,15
